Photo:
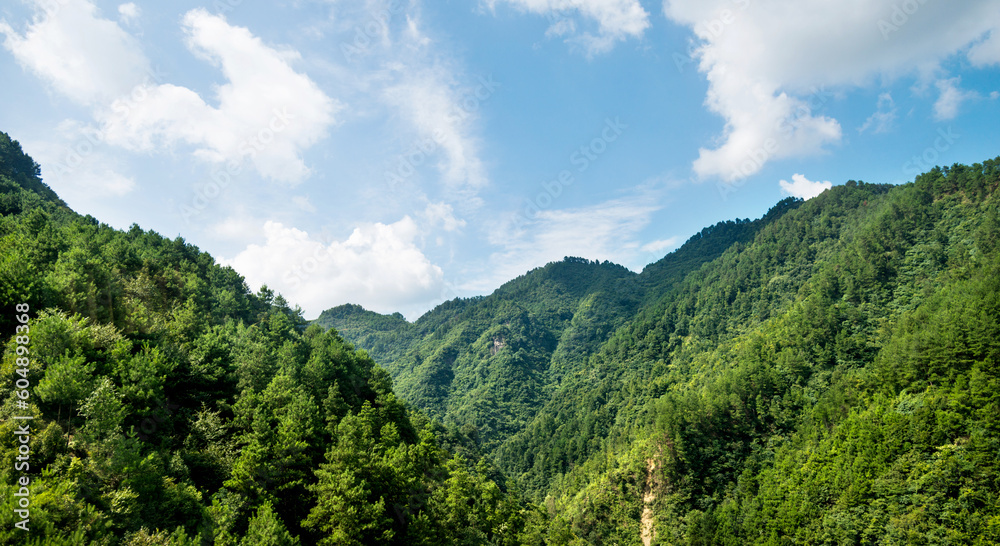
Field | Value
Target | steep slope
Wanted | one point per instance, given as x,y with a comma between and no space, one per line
825,374
497,365
853,411
658,277
20,179
824,377
598,406
490,363
487,362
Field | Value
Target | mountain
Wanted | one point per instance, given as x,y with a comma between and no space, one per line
382,335
169,404
490,363
486,361
825,374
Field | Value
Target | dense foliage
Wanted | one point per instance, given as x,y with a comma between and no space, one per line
823,375
173,406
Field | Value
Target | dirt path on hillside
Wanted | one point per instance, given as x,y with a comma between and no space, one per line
648,497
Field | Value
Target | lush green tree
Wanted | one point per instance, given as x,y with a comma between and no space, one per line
266,529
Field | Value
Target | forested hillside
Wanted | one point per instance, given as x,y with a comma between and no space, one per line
824,375
173,406
488,364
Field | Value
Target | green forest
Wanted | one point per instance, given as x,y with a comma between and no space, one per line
827,374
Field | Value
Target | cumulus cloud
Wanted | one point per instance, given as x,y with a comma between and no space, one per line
768,61
803,188
267,112
88,59
616,20
379,266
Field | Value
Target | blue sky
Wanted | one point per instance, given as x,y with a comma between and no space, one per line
398,153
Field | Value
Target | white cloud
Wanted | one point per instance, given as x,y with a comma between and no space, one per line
616,20
100,180
267,112
394,67
951,98
882,119
562,27
88,59
764,58
379,266
441,116
804,188
128,12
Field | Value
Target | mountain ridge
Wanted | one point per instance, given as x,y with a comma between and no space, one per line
723,358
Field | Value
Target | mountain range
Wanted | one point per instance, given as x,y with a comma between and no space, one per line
715,397
825,374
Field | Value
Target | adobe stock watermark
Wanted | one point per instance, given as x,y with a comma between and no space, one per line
374,27
404,165
92,138
24,415
927,159
712,28
222,177
755,158
582,158
900,15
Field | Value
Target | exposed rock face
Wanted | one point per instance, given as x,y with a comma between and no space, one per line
498,343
